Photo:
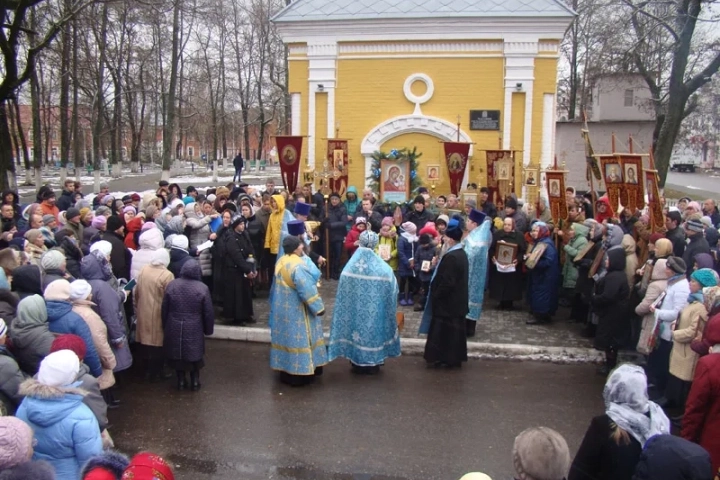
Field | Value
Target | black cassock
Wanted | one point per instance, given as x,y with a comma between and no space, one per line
507,287
237,300
447,340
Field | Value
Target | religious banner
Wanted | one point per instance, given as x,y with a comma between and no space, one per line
613,174
456,156
289,149
500,174
555,184
337,155
632,196
657,220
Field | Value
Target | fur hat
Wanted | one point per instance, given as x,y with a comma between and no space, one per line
113,223
59,368
180,241
52,260
58,290
16,439
80,290
103,246
70,342
677,265
541,453
108,465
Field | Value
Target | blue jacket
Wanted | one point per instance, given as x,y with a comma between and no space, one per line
406,251
66,430
544,281
62,319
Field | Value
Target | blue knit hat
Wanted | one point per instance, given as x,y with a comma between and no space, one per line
706,277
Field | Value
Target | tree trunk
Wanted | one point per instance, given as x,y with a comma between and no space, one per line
99,107
169,127
78,145
66,42
7,167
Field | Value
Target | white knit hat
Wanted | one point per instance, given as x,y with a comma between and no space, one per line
180,241
103,246
59,369
80,290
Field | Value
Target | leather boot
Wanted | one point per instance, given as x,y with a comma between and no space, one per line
470,328
195,381
181,381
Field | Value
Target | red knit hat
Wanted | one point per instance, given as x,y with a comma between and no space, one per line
148,466
655,237
70,342
429,228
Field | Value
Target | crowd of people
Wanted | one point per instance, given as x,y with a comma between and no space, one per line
88,286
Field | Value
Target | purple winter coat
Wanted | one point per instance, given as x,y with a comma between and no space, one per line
187,315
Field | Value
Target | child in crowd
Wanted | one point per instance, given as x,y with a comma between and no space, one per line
424,267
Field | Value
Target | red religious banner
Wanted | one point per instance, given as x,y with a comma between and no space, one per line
657,220
555,184
632,196
289,149
456,156
500,174
337,155
613,174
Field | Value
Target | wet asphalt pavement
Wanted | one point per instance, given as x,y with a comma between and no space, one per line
406,423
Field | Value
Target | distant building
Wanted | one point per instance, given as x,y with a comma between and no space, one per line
620,104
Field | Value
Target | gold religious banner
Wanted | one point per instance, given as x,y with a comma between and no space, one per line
613,174
500,174
650,177
632,196
555,184
337,156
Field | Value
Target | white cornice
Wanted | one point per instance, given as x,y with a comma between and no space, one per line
418,47
393,127
447,29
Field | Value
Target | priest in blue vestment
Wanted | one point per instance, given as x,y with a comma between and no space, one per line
298,349
477,246
364,327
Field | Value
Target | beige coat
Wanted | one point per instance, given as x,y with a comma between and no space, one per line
148,296
631,259
690,325
98,330
657,285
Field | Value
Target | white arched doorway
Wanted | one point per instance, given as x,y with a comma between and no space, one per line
394,127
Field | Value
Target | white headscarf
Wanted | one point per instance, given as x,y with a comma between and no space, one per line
627,404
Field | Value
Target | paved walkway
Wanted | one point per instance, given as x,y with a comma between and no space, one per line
495,326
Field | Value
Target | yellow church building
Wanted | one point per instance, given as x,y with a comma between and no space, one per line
393,74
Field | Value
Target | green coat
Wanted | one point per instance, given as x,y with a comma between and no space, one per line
578,242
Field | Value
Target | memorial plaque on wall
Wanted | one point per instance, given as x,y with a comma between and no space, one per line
484,119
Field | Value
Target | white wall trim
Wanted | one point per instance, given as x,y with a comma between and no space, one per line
322,70
393,127
297,50
419,47
507,117
527,136
311,127
548,130
295,109
331,113
420,55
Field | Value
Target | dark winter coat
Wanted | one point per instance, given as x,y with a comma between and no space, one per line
374,219
62,319
336,222
109,307
424,253
256,231
677,237
27,280
419,218
120,258
610,302
544,281
10,379
65,200
30,334
178,257
219,263
406,251
584,285
37,470
51,275
505,287
666,457
602,458
73,257
187,315
237,299
697,245
90,236
8,305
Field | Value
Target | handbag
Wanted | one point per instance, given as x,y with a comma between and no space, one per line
400,319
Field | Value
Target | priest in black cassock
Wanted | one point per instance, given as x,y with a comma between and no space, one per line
447,304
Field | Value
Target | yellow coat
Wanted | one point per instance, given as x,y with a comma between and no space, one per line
690,325
392,243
